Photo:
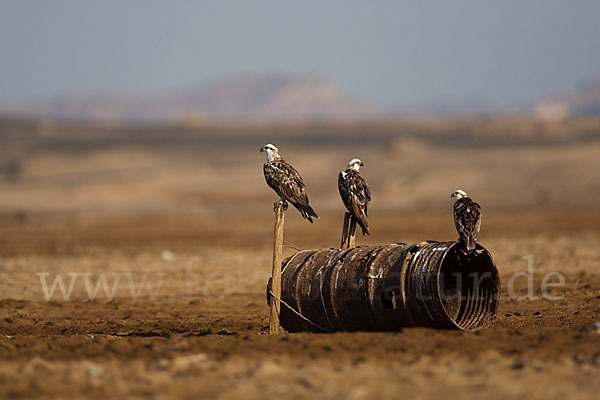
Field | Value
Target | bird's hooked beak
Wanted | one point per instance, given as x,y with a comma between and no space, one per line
451,196
262,149
362,164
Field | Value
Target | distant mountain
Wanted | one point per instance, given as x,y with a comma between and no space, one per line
258,96
585,100
451,107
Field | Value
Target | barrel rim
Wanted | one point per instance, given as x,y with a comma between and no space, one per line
490,317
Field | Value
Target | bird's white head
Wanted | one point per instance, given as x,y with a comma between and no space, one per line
272,152
459,194
354,164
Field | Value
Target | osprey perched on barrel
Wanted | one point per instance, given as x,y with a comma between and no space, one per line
467,218
286,182
355,193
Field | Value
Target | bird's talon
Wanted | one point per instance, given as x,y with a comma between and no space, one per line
280,203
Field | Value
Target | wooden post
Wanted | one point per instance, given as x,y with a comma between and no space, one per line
276,272
348,232
344,244
352,233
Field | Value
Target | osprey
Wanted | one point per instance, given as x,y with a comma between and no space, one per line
286,182
355,193
467,219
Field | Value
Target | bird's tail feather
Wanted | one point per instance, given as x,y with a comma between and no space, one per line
364,224
309,210
306,211
307,216
361,218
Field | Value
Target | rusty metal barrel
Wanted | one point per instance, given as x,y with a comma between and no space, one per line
372,288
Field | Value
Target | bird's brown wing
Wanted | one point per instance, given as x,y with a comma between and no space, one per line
288,184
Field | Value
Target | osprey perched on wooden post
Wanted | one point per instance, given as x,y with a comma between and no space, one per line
467,219
286,182
355,193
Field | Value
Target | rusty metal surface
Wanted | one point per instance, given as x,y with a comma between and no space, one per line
432,284
347,283
422,300
384,288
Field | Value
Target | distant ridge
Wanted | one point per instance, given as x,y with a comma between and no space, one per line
256,96
585,100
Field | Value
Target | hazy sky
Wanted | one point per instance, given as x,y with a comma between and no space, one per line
390,53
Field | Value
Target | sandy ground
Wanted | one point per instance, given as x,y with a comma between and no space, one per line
182,235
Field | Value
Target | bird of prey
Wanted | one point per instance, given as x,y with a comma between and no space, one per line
355,193
467,219
286,182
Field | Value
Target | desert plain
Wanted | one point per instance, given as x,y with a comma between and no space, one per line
177,220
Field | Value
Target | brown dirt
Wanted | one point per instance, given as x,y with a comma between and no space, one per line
211,340
204,334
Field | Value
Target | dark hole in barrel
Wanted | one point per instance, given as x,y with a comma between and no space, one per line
387,299
453,279
468,282
413,249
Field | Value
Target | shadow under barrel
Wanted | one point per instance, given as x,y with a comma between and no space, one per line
373,288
